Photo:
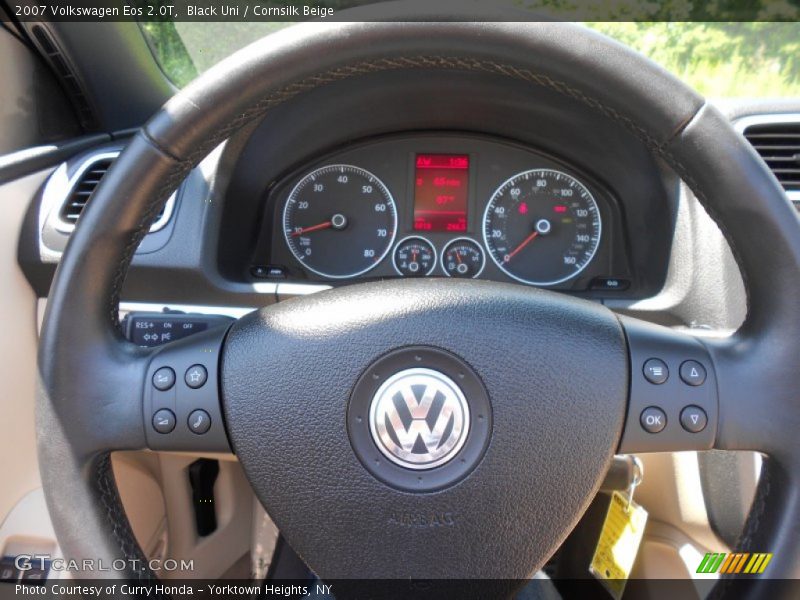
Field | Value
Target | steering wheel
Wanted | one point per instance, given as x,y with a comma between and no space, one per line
534,395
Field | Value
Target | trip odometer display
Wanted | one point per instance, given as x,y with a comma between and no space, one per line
339,221
542,227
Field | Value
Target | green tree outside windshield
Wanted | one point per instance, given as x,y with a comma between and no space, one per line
717,59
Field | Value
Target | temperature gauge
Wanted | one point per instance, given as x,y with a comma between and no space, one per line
414,257
463,258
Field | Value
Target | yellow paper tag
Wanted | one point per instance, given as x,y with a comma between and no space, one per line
618,544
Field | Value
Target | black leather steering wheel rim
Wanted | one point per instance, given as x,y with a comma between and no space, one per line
84,414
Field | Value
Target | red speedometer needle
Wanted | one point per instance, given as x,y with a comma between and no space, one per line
524,243
303,230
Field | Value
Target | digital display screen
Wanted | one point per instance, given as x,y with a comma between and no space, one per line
440,192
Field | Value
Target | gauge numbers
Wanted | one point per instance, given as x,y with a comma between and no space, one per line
542,227
339,221
463,258
414,257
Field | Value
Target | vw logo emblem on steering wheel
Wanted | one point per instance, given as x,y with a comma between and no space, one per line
419,418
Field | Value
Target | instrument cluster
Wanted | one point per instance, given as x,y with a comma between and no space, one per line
445,206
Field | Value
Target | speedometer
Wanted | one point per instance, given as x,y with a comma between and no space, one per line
542,227
339,221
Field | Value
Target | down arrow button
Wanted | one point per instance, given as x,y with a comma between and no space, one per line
693,419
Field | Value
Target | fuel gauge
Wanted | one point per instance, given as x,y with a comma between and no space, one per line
463,258
414,257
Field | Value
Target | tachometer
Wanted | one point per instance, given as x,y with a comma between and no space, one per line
542,227
339,221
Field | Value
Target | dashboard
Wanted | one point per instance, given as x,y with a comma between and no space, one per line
443,205
450,208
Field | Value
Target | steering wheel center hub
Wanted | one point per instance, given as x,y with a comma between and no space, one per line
419,418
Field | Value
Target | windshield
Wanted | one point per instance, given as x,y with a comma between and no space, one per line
717,59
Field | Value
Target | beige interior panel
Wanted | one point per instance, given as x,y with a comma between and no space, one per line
659,560
667,553
18,344
157,496
672,493
213,555
27,529
137,475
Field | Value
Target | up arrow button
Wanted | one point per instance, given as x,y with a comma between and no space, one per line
692,373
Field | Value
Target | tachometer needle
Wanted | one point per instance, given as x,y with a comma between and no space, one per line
524,243
303,230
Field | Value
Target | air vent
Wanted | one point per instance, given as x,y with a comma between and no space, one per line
78,191
779,146
777,139
83,189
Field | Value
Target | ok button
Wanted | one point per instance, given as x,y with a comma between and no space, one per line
653,419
